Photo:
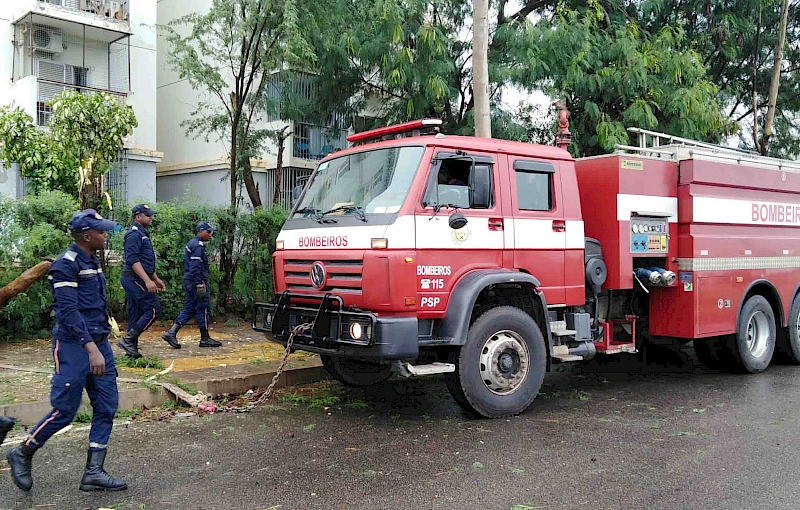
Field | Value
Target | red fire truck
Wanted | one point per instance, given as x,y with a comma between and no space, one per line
488,260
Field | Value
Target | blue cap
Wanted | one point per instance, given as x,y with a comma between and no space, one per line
89,219
143,209
204,225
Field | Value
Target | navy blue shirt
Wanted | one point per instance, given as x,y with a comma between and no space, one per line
195,261
138,248
79,296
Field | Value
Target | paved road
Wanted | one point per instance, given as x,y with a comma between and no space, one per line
619,435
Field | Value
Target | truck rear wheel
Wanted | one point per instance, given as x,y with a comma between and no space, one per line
788,342
500,368
754,342
356,373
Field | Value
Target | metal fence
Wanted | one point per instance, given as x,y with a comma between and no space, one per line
116,9
291,178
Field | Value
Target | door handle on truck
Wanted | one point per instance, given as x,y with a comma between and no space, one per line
495,224
559,226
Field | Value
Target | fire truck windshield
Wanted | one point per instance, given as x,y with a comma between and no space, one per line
370,182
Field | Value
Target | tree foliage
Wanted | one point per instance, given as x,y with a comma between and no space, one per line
232,54
679,66
84,132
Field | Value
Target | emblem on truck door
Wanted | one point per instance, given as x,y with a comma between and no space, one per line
318,275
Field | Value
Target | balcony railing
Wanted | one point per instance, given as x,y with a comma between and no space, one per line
48,90
315,142
111,9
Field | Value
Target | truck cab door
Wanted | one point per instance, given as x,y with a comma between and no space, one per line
445,254
539,228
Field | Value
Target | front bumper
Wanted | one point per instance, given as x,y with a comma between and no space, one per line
387,338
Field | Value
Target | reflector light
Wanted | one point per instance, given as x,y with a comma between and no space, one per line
393,130
380,244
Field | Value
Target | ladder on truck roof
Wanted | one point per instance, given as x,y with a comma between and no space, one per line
679,149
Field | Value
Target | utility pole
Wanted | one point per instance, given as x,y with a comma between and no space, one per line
480,68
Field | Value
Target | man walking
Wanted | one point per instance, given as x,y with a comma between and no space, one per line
140,281
82,355
195,284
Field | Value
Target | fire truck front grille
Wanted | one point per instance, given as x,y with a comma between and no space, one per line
344,276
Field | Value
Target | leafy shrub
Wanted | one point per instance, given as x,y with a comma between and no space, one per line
36,227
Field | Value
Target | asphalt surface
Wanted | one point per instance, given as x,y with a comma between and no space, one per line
619,435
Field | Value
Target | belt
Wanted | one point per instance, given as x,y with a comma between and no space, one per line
134,275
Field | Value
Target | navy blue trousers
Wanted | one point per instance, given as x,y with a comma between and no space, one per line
143,307
71,377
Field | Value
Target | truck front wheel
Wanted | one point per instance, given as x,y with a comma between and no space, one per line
356,373
500,368
754,342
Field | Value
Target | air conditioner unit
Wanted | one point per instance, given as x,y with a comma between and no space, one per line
47,39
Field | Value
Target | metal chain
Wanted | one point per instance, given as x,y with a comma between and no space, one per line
302,328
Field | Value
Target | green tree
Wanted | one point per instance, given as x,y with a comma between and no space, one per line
90,129
78,147
232,54
614,74
412,59
37,157
738,40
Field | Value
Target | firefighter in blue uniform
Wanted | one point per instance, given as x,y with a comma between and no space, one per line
82,355
140,281
195,284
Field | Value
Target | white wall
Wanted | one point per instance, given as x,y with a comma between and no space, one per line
8,182
141,181
143,73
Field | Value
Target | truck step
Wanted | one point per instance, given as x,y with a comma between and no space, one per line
561,354
407,369
565,358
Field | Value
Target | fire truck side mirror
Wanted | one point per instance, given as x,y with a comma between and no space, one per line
457,221
481,186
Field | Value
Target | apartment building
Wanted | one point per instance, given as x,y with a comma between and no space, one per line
196,169
48,46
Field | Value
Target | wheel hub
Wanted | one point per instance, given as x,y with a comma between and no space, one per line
504,362
757,334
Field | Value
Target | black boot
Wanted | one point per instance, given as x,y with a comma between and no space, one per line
20,459
171,336
6,424
130,343
206,340
95,478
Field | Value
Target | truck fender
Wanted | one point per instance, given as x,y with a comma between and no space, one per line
465,293
779,318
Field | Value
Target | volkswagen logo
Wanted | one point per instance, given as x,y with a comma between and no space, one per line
318,275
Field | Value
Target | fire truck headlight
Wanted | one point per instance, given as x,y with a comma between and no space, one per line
380,244
279,244
355,331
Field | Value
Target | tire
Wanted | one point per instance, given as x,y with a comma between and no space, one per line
356,373
751,348
787,344
709,353
503,336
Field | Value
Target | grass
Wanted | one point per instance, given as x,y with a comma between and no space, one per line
143,362
257,361
357,404
233,323
294,398
83,416
173,405
153,387
7,398
323,401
